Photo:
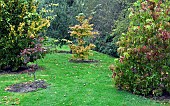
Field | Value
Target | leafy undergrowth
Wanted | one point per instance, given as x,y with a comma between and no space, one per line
71,84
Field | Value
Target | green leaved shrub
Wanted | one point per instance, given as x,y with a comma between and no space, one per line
143,67
20,25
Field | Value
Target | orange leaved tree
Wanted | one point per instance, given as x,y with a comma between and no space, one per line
81,50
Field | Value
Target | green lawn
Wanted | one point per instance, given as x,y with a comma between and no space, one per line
71,84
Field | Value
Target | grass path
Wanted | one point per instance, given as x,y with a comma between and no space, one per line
71,84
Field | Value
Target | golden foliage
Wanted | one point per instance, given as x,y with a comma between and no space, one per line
84,29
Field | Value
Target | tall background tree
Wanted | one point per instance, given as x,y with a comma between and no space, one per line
64,14
110,18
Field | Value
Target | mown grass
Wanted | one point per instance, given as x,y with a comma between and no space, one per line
71,84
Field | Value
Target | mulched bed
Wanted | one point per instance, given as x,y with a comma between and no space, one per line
63,51
83,61
164,98
27,86
20,70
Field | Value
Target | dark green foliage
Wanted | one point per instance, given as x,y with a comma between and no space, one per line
105,12
111,20
60,24
64,17
19,27
120,26
106,45
143,67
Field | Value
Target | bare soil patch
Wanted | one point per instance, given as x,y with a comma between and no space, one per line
164,98
27,86
83,61
21,70
63,51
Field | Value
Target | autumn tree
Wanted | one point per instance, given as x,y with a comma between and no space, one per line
81,50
